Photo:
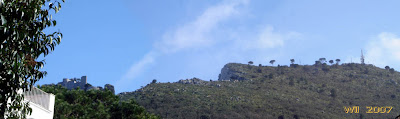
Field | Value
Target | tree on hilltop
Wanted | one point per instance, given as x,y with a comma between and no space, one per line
250,62
331,61
154,81
337,61
322,60
272,62
292,61
387,67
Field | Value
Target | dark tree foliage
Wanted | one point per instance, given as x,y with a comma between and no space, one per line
154,81
295,117
333,93
250,62
259,70
317,63
292,61
391,70
22,41
109,87
331,61
337,61
325,67
93,104
272,62
387,67
270,76
322,60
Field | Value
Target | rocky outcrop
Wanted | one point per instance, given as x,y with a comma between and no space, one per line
192,81
231,71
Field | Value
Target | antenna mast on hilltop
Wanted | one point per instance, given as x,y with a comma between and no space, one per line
362,58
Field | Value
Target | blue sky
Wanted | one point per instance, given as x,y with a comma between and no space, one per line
130,43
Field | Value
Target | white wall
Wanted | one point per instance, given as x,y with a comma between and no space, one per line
38,112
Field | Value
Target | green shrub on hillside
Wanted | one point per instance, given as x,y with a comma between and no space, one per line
93,104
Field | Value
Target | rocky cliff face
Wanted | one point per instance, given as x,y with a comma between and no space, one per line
232,71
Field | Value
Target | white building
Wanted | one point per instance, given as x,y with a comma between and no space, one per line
42,104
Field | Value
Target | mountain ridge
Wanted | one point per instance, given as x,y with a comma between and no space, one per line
295,91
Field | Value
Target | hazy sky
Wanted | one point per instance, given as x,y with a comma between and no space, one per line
130,43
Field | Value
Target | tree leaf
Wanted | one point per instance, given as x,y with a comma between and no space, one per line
3,20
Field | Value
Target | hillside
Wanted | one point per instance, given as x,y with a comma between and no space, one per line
299,91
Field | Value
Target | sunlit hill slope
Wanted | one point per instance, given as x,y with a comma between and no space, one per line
296,91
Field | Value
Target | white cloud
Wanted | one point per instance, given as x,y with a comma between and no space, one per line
193,34
384,50
268,39
196,33
210,45
265,39
138,67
